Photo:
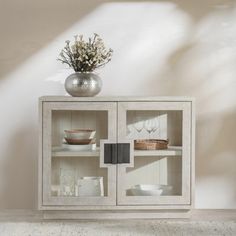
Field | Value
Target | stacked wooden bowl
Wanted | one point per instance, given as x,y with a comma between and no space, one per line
80,136
84,138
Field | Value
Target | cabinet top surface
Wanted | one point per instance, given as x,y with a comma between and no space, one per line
113,99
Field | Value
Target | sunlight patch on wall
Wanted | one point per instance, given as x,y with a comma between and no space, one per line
206,66
219,190
142,35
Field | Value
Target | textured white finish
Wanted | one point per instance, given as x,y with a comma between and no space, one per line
115,99
186,136
171,151
61,152
116,173
48,135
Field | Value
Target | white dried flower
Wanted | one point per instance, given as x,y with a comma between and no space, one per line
85,56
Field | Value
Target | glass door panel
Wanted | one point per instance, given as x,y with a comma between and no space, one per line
156,174
75,172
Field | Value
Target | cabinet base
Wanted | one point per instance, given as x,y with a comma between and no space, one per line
156,214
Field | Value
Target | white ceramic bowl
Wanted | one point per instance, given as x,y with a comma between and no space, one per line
151,190
146,190
167,189
80,133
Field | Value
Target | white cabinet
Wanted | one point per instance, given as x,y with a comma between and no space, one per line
113,175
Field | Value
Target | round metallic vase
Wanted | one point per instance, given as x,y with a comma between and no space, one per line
81,84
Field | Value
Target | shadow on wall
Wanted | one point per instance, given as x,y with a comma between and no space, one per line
215,165
204,67
216,129
161,48
19,170
26,26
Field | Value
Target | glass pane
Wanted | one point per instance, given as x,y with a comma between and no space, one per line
157,139
75,170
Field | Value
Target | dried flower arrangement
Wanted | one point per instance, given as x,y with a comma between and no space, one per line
85,56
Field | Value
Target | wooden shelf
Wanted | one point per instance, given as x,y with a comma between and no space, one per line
62,152
171,151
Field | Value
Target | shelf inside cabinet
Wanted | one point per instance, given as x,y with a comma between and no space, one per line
171,151
62,152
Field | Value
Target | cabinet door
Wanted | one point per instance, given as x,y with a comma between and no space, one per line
75,174
155,176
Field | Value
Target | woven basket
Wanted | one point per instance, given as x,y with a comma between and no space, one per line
150,144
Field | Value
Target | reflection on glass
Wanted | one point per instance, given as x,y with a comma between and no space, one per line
151,125
150,190
157,169
67,182
156,125
154,176
139,123
90,186
75,163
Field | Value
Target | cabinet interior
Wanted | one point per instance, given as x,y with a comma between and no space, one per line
81,165
169,125
64,120
155,170
139,160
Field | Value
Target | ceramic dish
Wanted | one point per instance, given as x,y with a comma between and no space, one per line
80,133
167,189
146,190
151,190
79,141
73,147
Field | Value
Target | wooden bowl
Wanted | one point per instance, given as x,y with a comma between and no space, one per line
80,133
150,144
79,141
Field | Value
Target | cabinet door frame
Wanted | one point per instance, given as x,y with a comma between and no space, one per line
185,198
47,108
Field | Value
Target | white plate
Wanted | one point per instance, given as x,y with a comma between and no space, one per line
88,147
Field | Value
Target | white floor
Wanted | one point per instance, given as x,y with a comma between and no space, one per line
202,222
120,227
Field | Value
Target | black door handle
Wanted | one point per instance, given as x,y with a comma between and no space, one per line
116,153
110,153
123,152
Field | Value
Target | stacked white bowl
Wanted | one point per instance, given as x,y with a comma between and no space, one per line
80,139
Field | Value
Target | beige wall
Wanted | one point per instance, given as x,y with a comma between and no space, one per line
161,48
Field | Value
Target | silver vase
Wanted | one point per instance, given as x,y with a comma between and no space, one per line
81,84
